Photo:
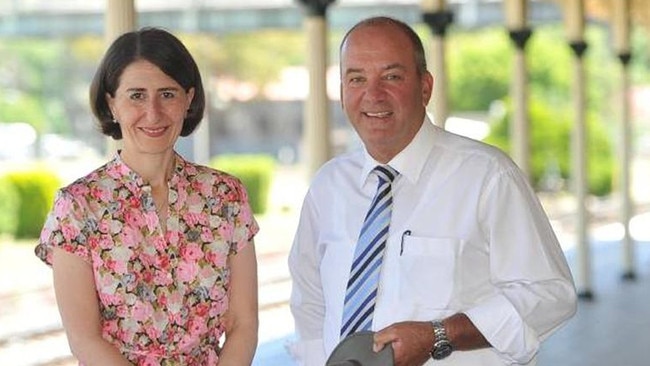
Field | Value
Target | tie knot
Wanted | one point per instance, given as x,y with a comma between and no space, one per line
386,173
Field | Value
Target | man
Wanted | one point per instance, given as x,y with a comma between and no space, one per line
470,271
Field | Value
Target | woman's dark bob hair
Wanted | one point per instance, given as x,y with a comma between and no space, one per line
162,49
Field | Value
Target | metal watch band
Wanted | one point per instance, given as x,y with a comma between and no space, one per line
441,345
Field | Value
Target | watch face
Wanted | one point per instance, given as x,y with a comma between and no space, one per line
441,351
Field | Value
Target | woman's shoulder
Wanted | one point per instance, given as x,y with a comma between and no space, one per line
198,173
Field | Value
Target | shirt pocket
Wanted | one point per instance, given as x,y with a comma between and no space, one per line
427,266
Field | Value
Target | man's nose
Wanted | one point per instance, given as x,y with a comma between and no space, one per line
375,90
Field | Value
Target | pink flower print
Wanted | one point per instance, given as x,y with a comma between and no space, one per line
116,170
78,190
206,235
195,203
153,332
142,311
187,343
134,218
162,278
120,257
105,242
192,219
100,194
70,232
129,237
159,243
217,258
197,326
150,360
246,215
225,231
103,227
201,310
175,304
134,202
181,198
151,219
162,262
160,322
219,307
62,206
208,276
191,252
187,271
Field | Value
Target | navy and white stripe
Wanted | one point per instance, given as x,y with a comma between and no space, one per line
364,272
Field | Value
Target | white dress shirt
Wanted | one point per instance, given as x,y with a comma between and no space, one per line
467,234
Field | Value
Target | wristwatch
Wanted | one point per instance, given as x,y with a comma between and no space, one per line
441,345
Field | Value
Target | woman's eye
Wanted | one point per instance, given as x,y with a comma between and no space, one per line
136,96
168,95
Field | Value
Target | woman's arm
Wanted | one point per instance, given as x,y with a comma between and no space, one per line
241,319
76,296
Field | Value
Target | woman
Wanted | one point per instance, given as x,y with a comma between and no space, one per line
153,256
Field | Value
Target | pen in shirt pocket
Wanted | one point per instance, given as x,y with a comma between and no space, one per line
401,246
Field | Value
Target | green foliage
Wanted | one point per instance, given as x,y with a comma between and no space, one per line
17,106
550,146
32,78
478,75
259,57
9,201
36,187
255,171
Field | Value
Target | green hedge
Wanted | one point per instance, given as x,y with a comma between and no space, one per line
36,187
255,172
9,201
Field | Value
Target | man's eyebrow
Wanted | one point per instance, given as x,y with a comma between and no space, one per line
395,66
385,68
353,70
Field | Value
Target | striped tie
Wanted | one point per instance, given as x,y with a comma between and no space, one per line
364,272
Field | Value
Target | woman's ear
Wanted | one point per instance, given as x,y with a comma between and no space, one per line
110,101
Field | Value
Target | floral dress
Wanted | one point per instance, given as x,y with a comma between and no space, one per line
162,294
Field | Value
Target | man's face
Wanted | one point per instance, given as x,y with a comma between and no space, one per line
381,92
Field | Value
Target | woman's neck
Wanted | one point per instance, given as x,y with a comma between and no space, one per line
155,169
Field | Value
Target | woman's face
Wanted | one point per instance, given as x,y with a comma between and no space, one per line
150,107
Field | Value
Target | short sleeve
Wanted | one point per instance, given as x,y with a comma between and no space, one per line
66,227
245,224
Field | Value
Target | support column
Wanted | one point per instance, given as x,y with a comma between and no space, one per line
438,19
574,17
621,29
120,18
516,14
625,149
579,170
316,136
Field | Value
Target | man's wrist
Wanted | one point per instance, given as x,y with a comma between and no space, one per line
441,347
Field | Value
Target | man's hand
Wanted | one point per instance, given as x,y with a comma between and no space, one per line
411,341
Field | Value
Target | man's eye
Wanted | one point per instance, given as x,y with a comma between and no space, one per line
393,77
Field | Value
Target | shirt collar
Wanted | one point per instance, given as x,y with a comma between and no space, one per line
410,161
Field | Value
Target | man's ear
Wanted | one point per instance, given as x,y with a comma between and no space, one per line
427,87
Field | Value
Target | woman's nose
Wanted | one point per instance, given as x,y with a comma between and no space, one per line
153,110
